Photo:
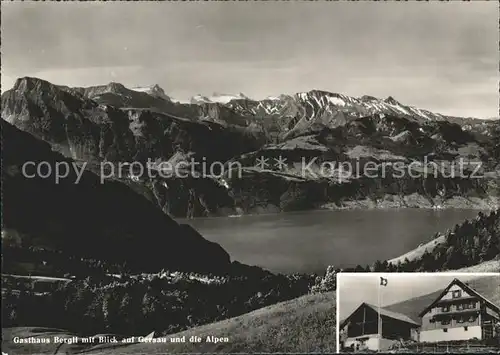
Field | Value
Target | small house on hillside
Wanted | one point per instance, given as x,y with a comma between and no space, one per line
361,331
459,313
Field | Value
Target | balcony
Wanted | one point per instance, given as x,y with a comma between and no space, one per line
451,309
456,300
452,312
456,319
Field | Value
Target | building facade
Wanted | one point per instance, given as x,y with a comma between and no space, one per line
368,329
459,313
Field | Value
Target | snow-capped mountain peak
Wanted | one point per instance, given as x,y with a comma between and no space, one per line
391,100
218,98
153,90
319,104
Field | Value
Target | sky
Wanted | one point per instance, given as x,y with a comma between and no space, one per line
441,56
356,288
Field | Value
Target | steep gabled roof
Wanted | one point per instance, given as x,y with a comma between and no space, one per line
383,312
394,315
465,287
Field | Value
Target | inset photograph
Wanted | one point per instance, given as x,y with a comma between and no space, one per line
418,312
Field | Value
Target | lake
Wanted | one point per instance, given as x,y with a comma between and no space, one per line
310,241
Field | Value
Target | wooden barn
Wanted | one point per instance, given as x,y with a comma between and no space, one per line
367,328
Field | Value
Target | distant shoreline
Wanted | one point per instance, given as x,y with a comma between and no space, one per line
456,203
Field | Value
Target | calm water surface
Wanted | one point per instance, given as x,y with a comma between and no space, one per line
309,241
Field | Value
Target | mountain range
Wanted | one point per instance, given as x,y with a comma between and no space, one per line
112,123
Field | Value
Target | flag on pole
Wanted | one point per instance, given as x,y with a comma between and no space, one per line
383,281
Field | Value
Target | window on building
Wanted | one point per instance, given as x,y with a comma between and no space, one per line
445,322
460,306
445,330
472,318
460,320
445,309
432,320
456,294
467,305
466,328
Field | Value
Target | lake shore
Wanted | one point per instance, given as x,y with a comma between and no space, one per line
389,202
420,202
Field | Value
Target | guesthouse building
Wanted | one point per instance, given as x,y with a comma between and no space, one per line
459,313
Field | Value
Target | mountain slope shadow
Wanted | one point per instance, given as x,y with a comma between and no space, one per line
92,220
